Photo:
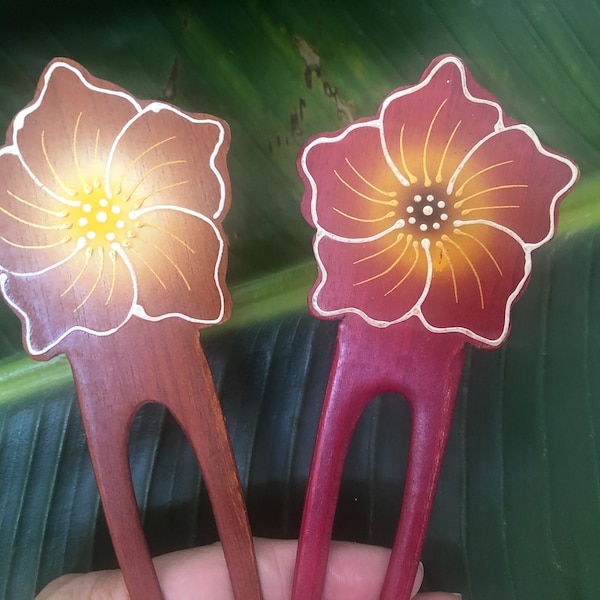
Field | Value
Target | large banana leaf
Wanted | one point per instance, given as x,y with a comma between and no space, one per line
517,515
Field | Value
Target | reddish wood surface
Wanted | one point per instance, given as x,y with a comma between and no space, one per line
164,363
367,362
112,251
426,218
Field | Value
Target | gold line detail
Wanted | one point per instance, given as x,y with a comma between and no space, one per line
459,191
64,240
31,224
379,252
176,267
96,182
67,190
445,238
139,203
441,246
492,189
371,185
466,211
411,177
88,256
426,146
386,202
376,220
483,247
40,208
438,177
113,257
159,166
96,281
75,157
128,167
138,255
415,246
140,224
392,266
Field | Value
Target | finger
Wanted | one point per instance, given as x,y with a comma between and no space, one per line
355,572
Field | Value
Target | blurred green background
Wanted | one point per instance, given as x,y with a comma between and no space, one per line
517,515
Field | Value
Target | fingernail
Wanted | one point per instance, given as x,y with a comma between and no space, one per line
421,569
457,595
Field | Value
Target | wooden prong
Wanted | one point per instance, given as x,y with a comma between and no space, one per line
173,372
368,362
196,407
107,432
432,410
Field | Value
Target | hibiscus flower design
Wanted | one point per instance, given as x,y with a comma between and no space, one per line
432,209
110,209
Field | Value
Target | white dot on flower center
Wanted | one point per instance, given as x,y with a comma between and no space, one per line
120,224
110,236
82,222
87,208
423,227
101,217
90,235
444,217
103,202
116,209
410,209
429,198
436,225
412,220
441,204
427,211
417,198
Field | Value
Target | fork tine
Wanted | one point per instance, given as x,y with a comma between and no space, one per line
432,409
196,407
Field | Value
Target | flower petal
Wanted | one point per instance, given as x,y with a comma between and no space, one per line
179,260
428,128
511,180
351,193
34,233
93,292
381,279
65,135
167,158
478,272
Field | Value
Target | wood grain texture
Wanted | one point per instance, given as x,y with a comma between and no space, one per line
368,362
112,252
165,364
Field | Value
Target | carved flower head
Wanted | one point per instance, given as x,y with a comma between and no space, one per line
110,209
432,209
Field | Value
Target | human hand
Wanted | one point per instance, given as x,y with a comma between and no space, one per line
355,572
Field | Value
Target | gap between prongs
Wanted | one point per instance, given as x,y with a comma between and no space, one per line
172,371
426,369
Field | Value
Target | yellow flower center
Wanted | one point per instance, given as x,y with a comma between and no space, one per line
100,219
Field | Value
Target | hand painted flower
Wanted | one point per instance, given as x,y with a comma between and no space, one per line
110,208
432,209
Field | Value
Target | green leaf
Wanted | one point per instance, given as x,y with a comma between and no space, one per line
518,507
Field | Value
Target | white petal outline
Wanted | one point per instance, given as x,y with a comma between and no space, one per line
541,150
135,309
381,324
453,60
527,248
313,184
19,120
139,310
157,107
38,351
